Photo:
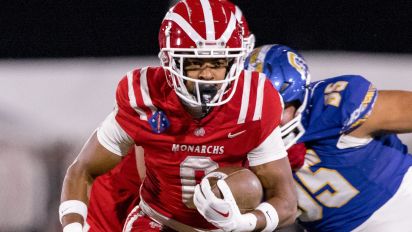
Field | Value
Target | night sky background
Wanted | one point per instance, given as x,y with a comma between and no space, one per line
108,28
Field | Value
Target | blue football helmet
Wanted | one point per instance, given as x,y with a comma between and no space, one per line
289,74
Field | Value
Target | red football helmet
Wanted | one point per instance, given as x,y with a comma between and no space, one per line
248,37
201,29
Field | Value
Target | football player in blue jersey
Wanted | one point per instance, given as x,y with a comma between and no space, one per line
357,174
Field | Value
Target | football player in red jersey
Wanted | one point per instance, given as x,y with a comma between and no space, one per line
197,112
114,194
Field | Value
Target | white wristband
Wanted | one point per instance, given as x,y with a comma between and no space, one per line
271,216
72,206
73,227
248,222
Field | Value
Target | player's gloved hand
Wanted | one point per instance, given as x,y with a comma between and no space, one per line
222,213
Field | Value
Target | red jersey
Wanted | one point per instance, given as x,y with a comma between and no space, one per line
177,158
113,195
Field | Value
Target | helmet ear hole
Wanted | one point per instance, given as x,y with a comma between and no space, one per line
284,86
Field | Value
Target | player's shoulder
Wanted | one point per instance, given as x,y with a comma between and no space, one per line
339,104
343,83
255,93
142,90
143,75
256,101
252,83
341,91
141,82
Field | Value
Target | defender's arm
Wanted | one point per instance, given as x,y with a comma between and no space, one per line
391,113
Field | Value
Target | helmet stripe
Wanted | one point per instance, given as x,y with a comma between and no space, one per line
210,29
238,14
209,21
229,29
261,58
184,25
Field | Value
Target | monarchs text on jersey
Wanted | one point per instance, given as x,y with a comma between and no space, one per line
180,150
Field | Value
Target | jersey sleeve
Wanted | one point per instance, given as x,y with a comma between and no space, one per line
121,128
361,99
358,96
126,116
339,105
132,104
113,137
271,145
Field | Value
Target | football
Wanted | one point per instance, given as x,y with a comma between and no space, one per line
244,184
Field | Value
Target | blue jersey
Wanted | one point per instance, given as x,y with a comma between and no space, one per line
341,187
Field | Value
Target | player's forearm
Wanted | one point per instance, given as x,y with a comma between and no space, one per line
75,186
93,160
276,178
281,208
286,209
398,108
390,114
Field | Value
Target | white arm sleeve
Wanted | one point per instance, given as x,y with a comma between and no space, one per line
271,149
113,137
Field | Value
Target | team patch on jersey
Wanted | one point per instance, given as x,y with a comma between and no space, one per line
159,122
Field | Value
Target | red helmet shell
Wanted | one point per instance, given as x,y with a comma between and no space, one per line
200,23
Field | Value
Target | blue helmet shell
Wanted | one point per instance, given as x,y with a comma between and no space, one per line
284,67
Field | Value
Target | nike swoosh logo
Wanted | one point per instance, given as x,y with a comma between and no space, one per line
269,215
231,136
223,214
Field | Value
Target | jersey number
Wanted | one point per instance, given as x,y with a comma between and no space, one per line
324,187
332,93
191,167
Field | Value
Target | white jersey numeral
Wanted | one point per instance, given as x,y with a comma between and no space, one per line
310,209
332,93
319,183
188,169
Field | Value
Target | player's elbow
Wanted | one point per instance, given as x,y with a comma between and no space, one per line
78,172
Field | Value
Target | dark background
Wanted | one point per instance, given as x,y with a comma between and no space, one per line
101,28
